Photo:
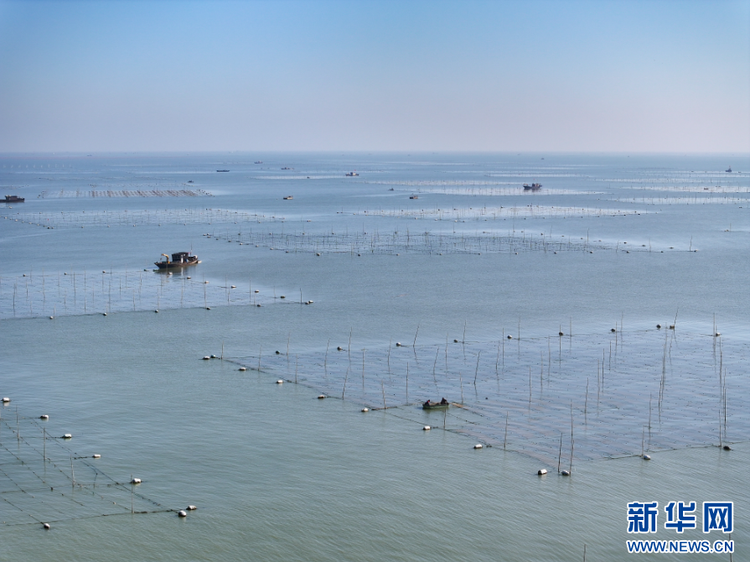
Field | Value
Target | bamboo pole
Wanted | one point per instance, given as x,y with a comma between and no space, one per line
505,437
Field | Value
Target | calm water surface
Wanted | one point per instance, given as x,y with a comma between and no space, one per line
278,474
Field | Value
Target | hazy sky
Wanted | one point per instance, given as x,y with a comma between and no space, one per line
558,75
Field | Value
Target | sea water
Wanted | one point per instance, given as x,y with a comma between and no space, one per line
419,268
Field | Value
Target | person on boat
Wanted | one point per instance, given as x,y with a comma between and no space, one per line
427,403
443,401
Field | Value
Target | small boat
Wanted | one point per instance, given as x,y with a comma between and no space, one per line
729,169
351,174
288,197
13,199
532,187
413,196
222,170
435,405
259,161
179,259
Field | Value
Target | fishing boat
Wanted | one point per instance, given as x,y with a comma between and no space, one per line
729,169
179,259
429,405
222,170
351,174
532,187
13,199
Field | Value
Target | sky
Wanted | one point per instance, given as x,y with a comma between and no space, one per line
375,75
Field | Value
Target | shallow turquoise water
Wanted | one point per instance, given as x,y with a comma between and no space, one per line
278,474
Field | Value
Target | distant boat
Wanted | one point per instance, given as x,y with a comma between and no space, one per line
288,197
729,169
222,170
259,161
13,199
352,174
435,405
179,259
413,196
287,168
532,187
